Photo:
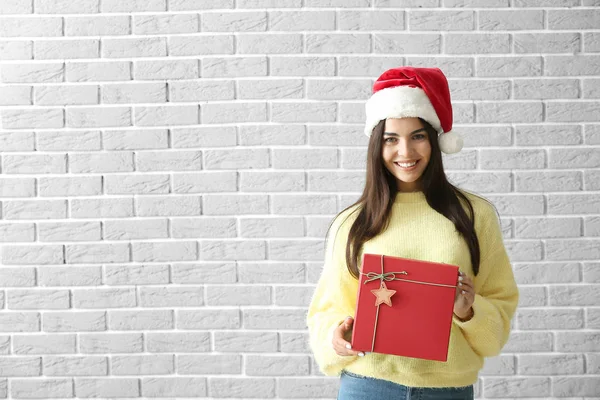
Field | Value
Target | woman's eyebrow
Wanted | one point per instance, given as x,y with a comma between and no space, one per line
395,134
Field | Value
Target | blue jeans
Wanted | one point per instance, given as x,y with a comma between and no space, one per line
357,387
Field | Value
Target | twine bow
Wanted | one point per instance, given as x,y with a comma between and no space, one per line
388,277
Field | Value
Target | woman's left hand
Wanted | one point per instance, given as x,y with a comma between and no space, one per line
464,298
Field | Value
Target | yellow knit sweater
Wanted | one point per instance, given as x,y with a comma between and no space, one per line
419,232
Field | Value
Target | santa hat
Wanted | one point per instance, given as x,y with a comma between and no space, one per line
414,92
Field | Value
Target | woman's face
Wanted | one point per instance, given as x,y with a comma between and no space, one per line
406,151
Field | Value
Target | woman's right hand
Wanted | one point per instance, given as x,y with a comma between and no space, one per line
342,346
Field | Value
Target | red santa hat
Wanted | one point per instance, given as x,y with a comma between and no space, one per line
414,92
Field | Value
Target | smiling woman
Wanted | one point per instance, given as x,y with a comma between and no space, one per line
406,151
409,209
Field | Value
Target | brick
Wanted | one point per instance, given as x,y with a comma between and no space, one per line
511,20
573,19
168,160
134,93
575,386
34,209
101,25
502,387
134,47
172,296
102,208
164,251
239,21
278,43
388,20
140,320
42,388
136,184
218,113
480,89
34,118
205,182
136,274
548,135
165,69
138,139
509,112
20,322
110,343
240,341
18,232
195,5
16,50
550,42
35,164
231,250
44,344
572,249
302,20
15,96
271,273
104,298
204,45
574,295
209,364
477,43
69,321
308,112
106,387
70,276
483,182
247,387
271,89
128,6
260,365
101,162
268,3
66,95
405,43
22,366
237,295
285,319
66,49
546,89
168,205
511,159
160,364
308,387
323,89
548,181
577,342
32,254
30,27
75,365
33,73
165,24
233,67
197,91
580,111
98,71
572,65
453,67
208,319
186,342
591,88
77,186
499,365
166,115
203,273
591,42
136,229
272,182
85,117
547,227
301,205
17,7
572,203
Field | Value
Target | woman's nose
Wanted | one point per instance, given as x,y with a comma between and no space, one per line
404,148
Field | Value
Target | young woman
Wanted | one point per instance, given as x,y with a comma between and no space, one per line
409,209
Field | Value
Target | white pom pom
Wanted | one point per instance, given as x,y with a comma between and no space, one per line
450,142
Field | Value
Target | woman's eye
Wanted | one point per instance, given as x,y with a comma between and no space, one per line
419,136
388,139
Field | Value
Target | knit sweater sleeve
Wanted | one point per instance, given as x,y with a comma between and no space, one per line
496,291
333,300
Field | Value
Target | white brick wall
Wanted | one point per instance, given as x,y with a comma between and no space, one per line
169,169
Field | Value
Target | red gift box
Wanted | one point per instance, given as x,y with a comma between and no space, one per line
404,307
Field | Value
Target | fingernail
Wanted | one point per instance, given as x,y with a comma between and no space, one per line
463,292
348,346
459,283
460,278
361,354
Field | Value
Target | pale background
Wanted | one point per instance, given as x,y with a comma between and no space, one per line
169,169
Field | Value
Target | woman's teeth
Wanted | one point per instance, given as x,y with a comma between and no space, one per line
408,165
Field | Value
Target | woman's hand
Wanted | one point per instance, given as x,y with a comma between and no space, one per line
342,346
464,298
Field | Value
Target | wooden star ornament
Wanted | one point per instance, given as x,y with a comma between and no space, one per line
383,294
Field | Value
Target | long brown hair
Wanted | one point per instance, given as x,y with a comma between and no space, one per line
375,203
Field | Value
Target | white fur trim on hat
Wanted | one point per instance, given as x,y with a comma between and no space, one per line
399,102
450,142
